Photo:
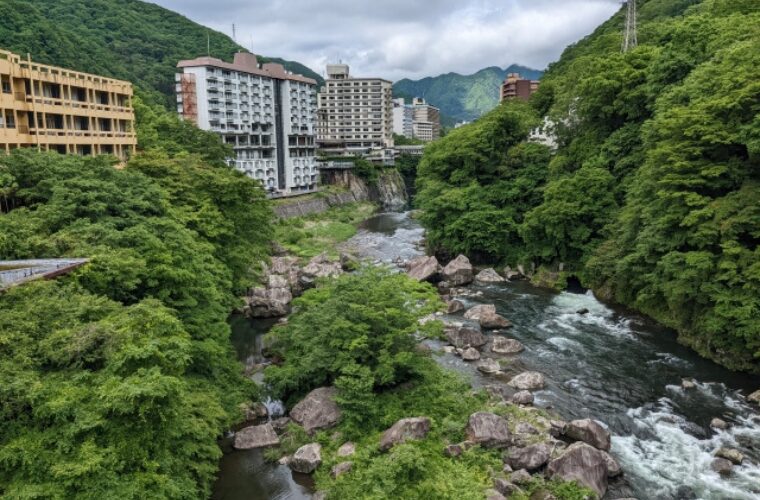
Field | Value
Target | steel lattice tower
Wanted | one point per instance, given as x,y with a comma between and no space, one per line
630,38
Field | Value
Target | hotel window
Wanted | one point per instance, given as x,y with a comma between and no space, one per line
6,84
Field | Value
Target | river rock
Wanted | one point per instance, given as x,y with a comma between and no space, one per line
404,430
505,487
488,430
526,429
346,449
722,466
307,458
489,276
528,381
557,428
470,354
341,469
522,398
423,268
718,423
268,302
318,410
590,432
613,467
520,477
493,321
283,265
754,397
474,313
687,384
255,411
280,425
530,457
454,306
494,495
461,336
256,436
489,366
583,311
458,272
582,463
512,274
321,267
731,454
444,287
502,345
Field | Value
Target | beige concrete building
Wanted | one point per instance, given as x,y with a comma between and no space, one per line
56,109
355,115
427,121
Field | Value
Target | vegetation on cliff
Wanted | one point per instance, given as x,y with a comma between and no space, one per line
651,195
118,380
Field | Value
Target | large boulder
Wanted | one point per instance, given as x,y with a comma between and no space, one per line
503,345
256,436
423,268
754,397
307,458
461,336
522,398
731,454
722,466
489,366
454,306
582,463
347,449
488,430
530,457
489,276
321,267
283,265
492,321
528,381
318,410
458,272
341,469
470,354
590,432
268,302
404,430
476,312
613,467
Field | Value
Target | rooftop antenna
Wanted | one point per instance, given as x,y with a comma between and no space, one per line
234,33
630,38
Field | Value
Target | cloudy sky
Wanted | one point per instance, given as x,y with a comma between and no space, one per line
397,39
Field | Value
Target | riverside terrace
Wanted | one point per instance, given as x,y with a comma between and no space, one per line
17,272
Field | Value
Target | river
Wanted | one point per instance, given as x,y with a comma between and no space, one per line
610,364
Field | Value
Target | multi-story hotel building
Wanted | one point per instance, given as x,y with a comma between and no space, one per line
427,121
516,86
403,118
355,114
57,109
263,111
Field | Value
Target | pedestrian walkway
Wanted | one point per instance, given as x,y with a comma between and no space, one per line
16,272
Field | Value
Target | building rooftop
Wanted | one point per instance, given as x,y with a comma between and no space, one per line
248,63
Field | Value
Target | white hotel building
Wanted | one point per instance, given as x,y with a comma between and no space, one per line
264,112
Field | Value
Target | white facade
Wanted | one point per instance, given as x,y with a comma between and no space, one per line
265,113
355,114
403,118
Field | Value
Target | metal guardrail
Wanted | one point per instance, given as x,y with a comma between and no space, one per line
17,272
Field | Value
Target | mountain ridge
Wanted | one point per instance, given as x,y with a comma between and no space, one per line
462,97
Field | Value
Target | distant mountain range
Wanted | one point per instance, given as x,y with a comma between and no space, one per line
127,39
462,97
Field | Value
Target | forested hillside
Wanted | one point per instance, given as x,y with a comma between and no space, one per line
128,39
652,196
462,97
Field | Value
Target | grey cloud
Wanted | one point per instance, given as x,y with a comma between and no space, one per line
402,38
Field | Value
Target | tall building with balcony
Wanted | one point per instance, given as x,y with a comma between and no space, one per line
264,112
355,114
427,121
515,86
57,109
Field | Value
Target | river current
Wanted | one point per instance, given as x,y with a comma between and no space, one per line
610,364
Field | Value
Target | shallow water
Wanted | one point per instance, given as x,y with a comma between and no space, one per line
610,364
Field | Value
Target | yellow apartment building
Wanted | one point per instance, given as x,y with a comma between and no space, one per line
56,109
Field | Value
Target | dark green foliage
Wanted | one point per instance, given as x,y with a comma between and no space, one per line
355,331
651,195
462,97
129,39
118,380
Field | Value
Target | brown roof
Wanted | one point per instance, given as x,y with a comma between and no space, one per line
247,63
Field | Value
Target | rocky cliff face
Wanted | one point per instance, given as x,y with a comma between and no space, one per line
389,190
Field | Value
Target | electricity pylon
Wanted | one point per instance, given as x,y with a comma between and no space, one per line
630,39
